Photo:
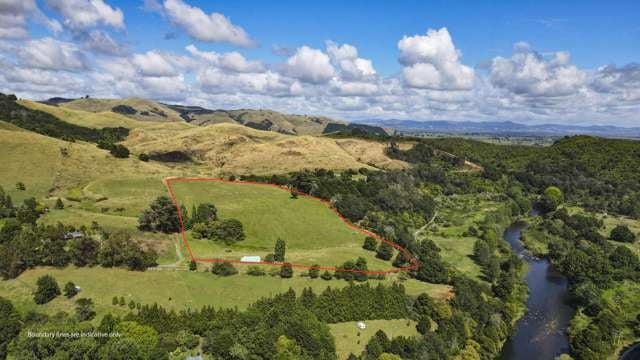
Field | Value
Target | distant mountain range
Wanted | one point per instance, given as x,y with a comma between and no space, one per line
503,128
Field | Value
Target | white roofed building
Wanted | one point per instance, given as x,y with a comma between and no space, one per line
250,258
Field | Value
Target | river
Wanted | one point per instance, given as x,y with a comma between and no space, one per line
541,333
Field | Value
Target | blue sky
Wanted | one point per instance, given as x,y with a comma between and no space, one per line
533,61
594,32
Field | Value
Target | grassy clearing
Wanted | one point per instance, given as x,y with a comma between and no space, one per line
634,225
454,218
610,221
172,289
312,231
350,339
133,194
437,291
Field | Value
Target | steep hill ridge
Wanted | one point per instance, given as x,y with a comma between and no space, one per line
226,147
135,108
260,119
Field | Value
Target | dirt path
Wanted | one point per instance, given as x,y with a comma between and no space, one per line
175,265
468,165
425,226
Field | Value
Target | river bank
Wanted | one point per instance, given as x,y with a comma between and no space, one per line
541,332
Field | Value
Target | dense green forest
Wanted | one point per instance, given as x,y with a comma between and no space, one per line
596,173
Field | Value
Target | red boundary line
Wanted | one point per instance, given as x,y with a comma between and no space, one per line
407,254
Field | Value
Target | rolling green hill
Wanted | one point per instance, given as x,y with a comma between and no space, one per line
312,231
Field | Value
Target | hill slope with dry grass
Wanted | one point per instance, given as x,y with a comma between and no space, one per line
226,147
135,108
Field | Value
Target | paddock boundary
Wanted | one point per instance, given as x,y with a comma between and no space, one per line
168,183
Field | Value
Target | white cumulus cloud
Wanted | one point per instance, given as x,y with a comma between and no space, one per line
14,15
528,73
49,53
84,14
310,65
213,27
351,66
432,62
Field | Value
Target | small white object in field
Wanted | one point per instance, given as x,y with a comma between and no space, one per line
250,258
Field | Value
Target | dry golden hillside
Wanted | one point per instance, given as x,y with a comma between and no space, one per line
235,149
230,148
146,110
258,119
46,169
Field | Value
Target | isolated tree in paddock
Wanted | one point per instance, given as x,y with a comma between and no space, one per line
279,250
84,309
162,215
11,324
385,251
47,289
193,266
370,244
622,233
286,271
228,230
70,289
59,204
20,186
